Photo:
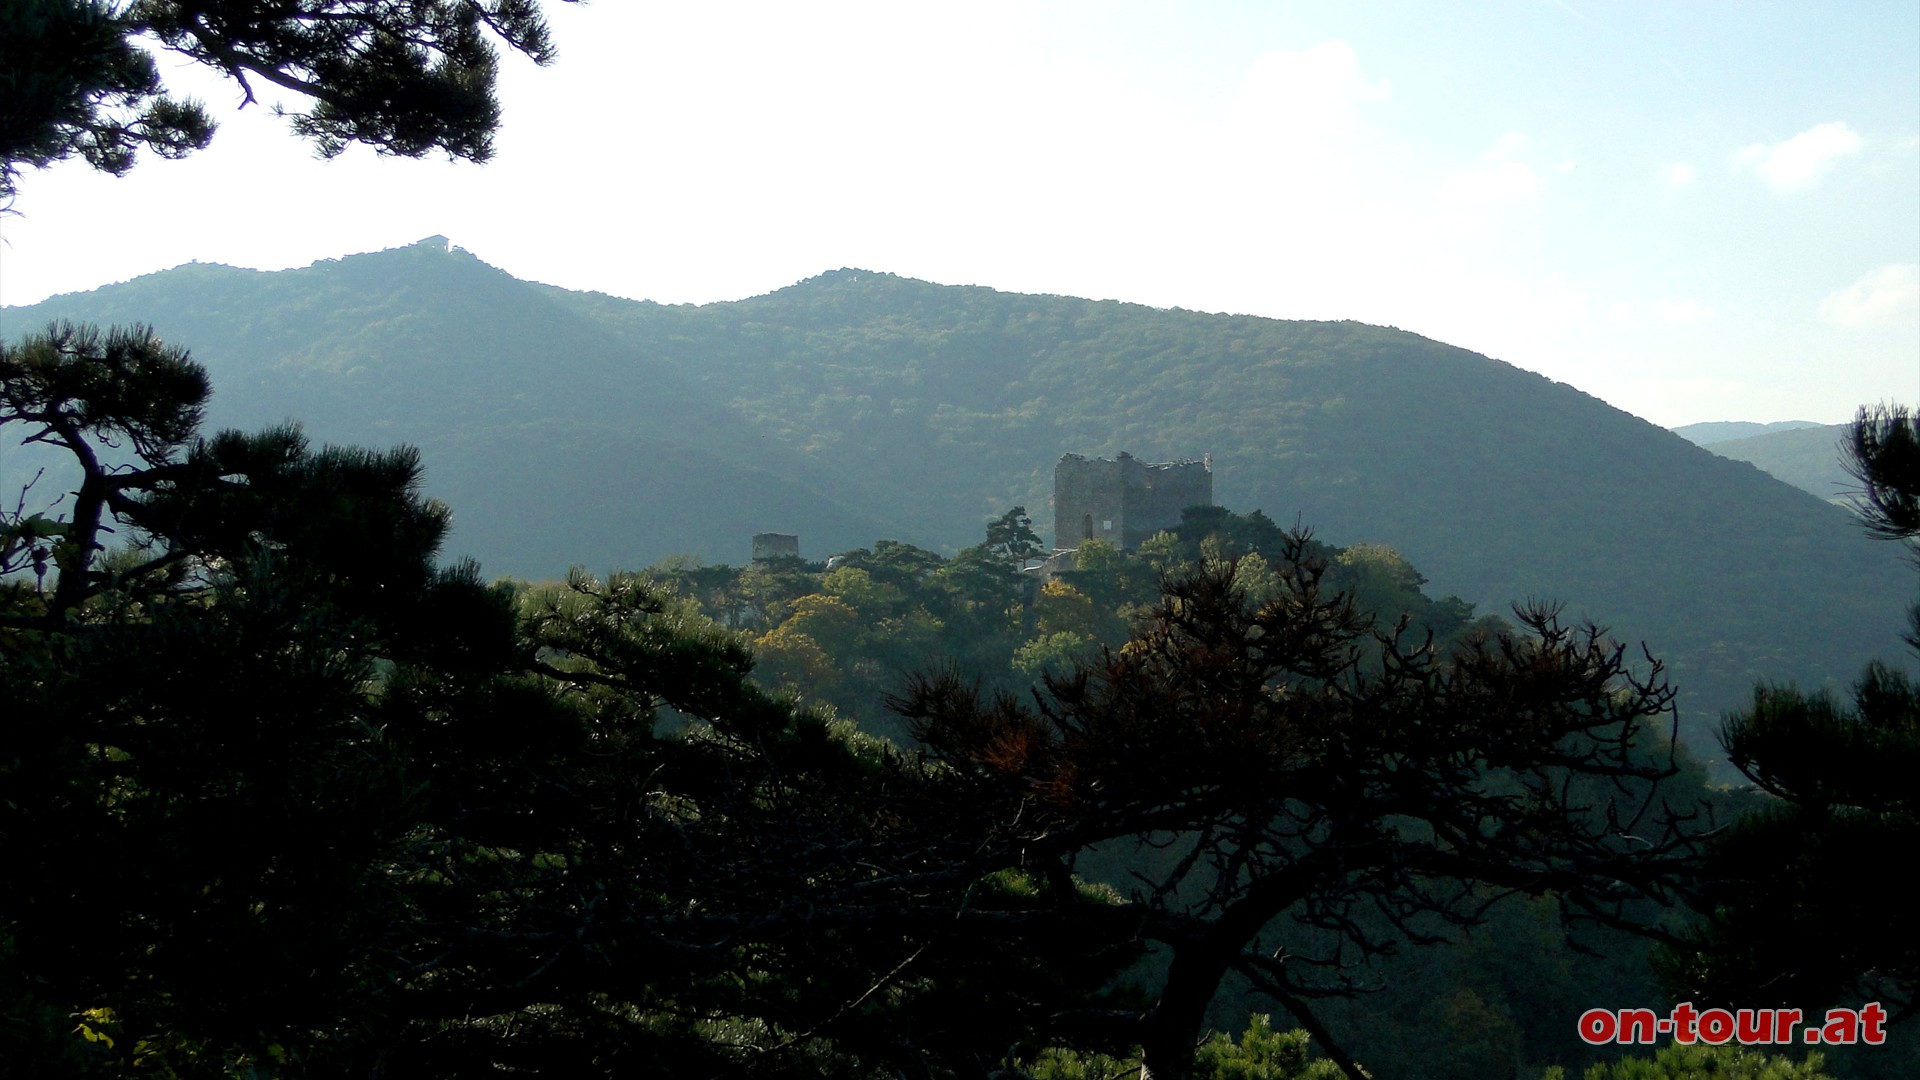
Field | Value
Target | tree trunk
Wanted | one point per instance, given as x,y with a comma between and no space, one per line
1172,1029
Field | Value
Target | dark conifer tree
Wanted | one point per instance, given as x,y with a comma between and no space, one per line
1011,537
404,78
1289,762
1805,903
281,796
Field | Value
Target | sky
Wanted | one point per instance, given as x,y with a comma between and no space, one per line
1699,211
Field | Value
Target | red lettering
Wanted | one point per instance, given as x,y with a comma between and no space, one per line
1842,1027
1716,1026
1683,1017
1748,1027
1637,1026
1597,1026
1872,1019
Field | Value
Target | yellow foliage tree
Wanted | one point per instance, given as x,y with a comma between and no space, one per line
1063,609
785,656
831,622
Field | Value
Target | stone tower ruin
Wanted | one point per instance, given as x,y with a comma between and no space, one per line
1124,500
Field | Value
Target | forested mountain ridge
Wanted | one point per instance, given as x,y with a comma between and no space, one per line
556,440
572,427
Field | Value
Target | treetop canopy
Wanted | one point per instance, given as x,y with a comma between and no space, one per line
405,78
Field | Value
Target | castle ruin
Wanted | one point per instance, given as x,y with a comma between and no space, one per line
1125,500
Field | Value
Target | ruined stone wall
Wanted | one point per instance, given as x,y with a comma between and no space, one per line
1125,500
1156,493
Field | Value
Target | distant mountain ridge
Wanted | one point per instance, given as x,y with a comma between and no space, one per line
1719,431
1807,456
576,427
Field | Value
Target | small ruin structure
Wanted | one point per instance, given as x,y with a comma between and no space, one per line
775,546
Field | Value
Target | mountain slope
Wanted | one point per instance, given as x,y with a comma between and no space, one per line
579,427
553,441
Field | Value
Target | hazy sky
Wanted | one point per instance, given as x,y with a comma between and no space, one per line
1695,211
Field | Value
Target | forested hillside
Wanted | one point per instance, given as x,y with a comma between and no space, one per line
567,443
852,406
